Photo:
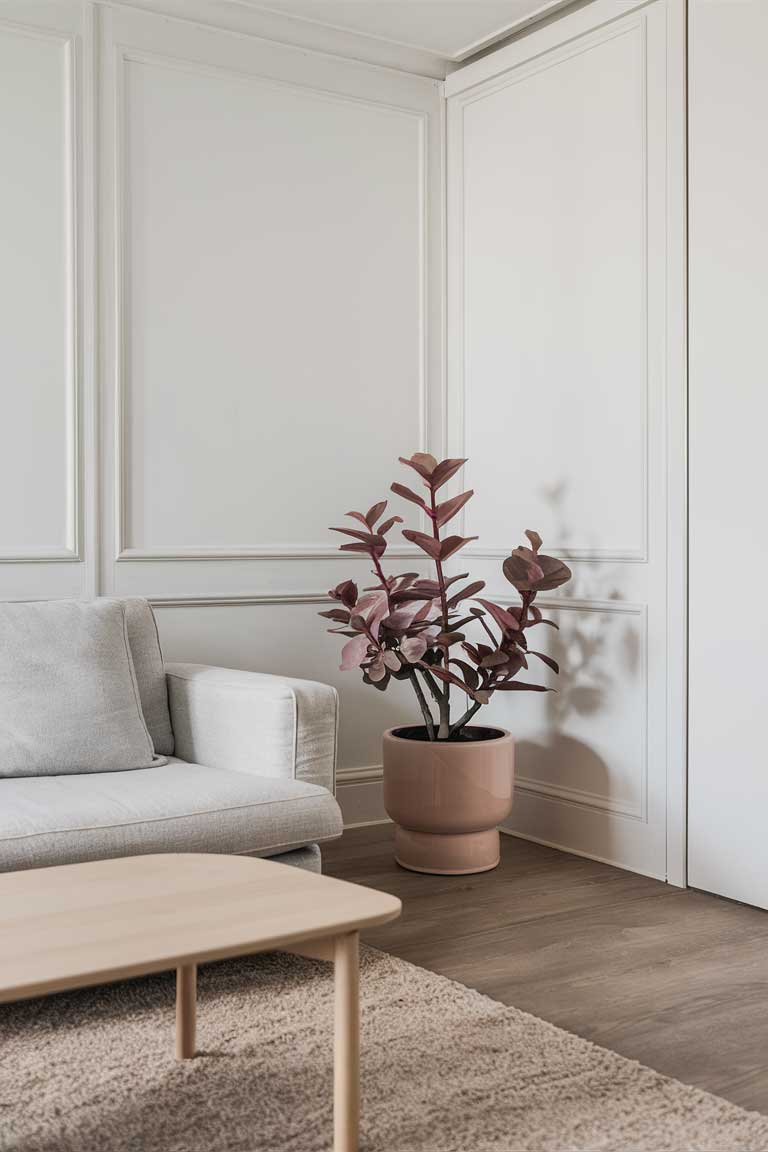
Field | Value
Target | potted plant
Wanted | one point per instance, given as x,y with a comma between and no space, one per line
447,783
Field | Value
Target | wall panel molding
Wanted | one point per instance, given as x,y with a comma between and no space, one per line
125,550
71,550
633,552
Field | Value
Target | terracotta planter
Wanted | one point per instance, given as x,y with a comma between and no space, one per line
447,799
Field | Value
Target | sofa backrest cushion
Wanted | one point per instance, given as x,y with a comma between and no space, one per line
150,674
69,700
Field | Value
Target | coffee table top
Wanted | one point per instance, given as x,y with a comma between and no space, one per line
80,924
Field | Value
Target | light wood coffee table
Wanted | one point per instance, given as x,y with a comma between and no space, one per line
83,924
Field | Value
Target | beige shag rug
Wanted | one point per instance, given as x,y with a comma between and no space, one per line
445,1069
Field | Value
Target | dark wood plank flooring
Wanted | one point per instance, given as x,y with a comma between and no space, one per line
676,979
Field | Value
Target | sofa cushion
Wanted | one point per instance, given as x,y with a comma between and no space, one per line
69,701
150,673
177,807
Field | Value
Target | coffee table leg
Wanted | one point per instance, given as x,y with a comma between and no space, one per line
346,1080
186,1010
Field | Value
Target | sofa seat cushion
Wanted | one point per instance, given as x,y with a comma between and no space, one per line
175,807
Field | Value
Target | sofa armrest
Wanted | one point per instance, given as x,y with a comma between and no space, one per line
251,722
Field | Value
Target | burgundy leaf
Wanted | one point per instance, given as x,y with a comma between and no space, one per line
409,594
452,544
343,632
505,620
453,579
534,538
555,573
449,638
428,544
336,614
422,463
465,593
392,660
373,514
355,548
407,494
354,653
430,588
472,652
357,516
448,509
447,677
346,592
493,660
519,686
377,669
521,571
553,664
385,526
444,471
482,696
369,538
470,673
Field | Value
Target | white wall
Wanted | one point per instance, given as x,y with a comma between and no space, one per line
269,311
728,776
567,385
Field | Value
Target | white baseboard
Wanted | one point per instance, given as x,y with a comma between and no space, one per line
359,792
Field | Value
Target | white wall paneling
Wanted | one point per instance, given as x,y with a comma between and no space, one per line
268,322
566,362
728,409
45,299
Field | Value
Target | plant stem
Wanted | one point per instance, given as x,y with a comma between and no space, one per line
430,682
429,722
465,718
444,730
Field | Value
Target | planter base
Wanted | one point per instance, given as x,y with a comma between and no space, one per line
447,855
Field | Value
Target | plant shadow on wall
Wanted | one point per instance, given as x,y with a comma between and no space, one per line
447,783
595,658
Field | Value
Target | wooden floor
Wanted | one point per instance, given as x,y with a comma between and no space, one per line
676,979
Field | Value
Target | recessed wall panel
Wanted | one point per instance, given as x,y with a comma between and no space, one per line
37,368
272,319
554,223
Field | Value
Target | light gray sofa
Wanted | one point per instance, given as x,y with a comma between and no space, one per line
249,769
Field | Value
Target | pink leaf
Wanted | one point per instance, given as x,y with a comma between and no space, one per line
392,660
413,648
354,653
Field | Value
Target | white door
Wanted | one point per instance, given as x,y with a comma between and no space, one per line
728,771
566,391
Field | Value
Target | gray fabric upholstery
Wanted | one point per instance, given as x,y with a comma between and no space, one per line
69,701
250,722
174,807
150,673
308,858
